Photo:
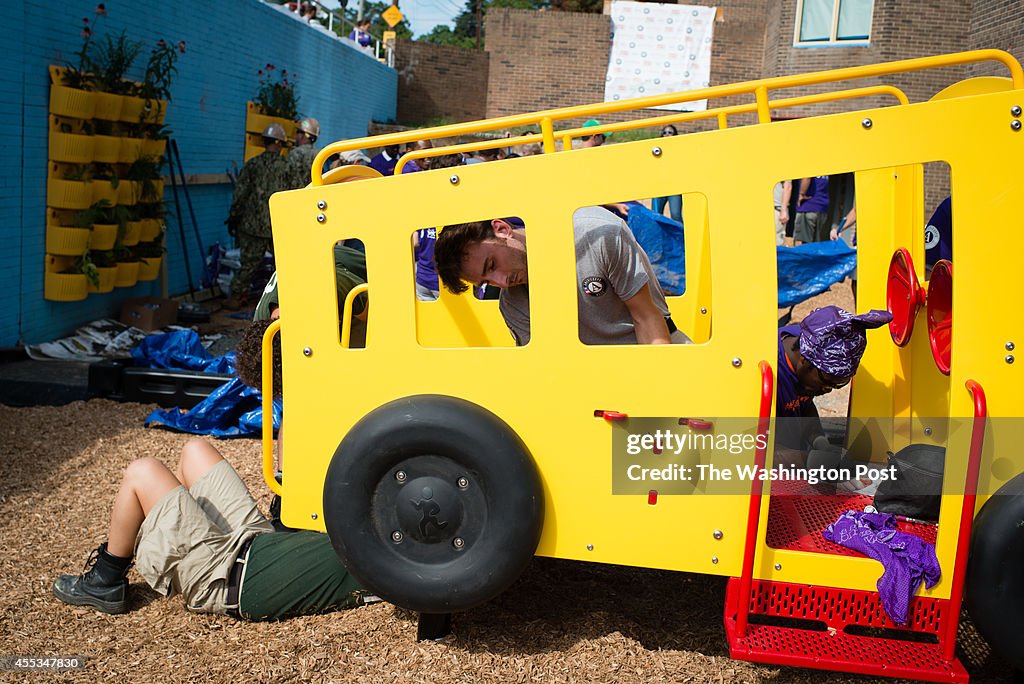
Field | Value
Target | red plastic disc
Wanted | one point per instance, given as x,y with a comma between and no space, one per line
903,296
940,313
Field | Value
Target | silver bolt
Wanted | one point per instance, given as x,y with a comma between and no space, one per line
656,151
462,482
928,431
458,542
703,309
717,534
321,205
1015,110
453,179
714,560
737,362
313,516
1015,124
590,547
1009,358
778,566
307,351
397,536
321,218
1010,346
401,476
867,123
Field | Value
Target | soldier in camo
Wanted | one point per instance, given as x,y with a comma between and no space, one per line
300,159
249,218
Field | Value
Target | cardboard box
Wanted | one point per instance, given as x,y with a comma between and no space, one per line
149,313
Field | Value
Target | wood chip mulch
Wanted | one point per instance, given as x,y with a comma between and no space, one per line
561,622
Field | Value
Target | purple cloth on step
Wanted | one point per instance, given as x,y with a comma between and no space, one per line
907,559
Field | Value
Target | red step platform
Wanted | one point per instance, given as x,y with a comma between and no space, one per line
828,645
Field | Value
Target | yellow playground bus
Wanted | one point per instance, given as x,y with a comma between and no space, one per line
440,457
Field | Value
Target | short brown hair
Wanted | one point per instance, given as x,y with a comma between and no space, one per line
450,250
249,357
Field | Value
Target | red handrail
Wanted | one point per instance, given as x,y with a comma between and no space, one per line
756,486
966,519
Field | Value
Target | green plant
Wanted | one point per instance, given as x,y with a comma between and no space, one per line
104,259
276,93
98,212
110,60
157,131
152,210
124,254
85,266
79,75
146,170
76,172
104,172
150,250
160,71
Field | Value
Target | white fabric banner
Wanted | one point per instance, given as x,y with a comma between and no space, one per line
658,49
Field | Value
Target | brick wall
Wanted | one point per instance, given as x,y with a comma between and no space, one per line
337,83
440,81
997,24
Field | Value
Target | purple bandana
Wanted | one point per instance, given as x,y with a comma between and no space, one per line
834,340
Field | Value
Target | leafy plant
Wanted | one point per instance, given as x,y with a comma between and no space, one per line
276,93
152,210
104,259
79,75
157,131
104,172
150,250
76,172
85,266
110,60
97,213
160,71
124,254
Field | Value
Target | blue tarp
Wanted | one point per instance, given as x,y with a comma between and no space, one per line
232,410
804,271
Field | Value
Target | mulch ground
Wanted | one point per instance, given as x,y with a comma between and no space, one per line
561,622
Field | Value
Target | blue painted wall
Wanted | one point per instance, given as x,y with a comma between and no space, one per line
228,42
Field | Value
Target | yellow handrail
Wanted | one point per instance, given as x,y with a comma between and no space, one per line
268,406
721,114
346,315
547,117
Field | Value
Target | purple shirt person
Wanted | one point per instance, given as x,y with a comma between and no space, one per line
385,160
361,33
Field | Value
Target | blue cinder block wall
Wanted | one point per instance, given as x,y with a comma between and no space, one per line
228,42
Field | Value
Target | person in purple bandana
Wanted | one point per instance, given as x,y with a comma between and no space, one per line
818,355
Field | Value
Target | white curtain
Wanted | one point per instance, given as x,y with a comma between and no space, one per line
658,49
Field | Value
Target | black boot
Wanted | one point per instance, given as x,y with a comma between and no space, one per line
102,585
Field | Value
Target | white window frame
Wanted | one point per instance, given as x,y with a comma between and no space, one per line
833,40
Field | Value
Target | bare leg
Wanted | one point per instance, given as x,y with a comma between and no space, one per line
145,482
197,457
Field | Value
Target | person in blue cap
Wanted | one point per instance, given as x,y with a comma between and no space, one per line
818,355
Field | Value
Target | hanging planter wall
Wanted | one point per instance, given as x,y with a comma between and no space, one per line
127,273
131,149
150,229
63,287
149,268
72,102
103,237
104,190
67,241
106,149
108,106
66,194
72,148
131,234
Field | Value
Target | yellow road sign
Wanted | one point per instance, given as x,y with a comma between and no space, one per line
392,15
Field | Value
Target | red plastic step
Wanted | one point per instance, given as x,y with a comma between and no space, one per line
828,644
798,514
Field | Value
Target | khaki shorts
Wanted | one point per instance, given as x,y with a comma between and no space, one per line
810,226
190,539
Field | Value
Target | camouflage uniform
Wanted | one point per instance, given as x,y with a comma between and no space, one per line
260,178
300,161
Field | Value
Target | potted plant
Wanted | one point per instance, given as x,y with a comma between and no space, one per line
106,145
150,255
108,222
104,183
70,141
110,60
130,137
127,266
154,92
128,234
68,187
151,219
105,265
67,236
155,141
63,280
70,92
143,177
275,102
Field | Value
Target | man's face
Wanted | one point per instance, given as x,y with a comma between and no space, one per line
592,140
301,139
392,150
499,261
814,382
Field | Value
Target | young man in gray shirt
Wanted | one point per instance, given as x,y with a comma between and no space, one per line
620,301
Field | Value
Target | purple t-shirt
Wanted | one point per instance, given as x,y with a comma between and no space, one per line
426,275
386,165
818,200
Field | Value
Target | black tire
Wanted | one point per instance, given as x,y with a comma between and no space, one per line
433,503
995,577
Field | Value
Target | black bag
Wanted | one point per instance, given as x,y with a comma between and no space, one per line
916,490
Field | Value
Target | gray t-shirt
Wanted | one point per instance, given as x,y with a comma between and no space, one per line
610,268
